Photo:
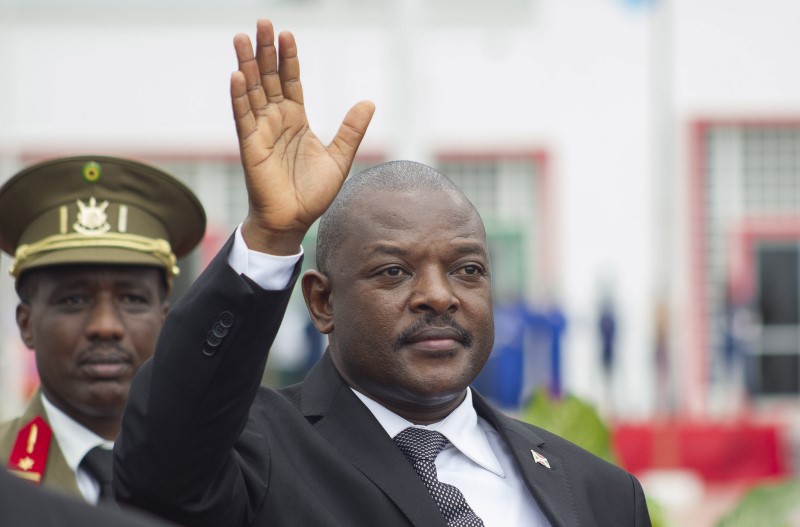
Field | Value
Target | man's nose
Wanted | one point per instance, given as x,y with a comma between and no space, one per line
104,321
434,293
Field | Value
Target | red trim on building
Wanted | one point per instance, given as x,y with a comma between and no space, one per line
695,392
166,156
743,236
742,249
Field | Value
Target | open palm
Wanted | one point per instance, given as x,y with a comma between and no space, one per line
291,176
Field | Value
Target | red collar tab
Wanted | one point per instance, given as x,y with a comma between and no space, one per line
29,456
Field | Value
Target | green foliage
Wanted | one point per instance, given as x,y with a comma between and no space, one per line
577,421
776,505
658,517
572,419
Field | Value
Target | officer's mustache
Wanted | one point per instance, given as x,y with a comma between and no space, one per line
104,352
432,320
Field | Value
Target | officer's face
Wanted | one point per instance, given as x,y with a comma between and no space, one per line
91,327
410,298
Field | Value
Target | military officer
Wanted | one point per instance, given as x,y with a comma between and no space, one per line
94,242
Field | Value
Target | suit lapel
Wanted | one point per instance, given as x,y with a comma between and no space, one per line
549,486
356,434
352,429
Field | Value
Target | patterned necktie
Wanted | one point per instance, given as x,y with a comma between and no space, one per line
97,462
421,446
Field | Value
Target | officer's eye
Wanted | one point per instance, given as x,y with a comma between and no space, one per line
131,298
73,300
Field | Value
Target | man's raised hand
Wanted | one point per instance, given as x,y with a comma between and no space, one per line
291,176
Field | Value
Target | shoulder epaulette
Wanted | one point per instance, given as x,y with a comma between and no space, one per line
28,458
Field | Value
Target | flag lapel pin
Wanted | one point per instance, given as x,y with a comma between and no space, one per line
540,459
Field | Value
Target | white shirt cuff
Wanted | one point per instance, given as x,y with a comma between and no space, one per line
270,272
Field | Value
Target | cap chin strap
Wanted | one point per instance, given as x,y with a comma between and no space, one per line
156,247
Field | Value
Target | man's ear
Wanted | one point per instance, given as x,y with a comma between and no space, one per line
319,300
24,324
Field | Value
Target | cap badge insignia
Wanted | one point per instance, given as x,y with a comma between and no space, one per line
537,457
91,172
92,218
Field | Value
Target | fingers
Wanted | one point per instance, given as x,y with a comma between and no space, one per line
267,60
269,79
348,138
242,115
289,68
249,69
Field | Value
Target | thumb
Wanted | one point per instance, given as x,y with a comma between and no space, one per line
345,144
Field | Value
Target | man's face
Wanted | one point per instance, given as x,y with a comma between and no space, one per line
411,298
91,327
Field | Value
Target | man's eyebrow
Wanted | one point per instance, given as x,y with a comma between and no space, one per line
380,248
75,283
471,248
129,284
393,250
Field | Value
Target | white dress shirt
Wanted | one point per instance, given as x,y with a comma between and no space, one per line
75,440
477,460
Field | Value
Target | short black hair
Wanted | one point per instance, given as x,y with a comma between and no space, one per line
394,175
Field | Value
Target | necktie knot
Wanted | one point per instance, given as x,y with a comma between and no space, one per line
420,444
98,463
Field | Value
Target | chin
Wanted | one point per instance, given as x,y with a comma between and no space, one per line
436,393
108,402
444,381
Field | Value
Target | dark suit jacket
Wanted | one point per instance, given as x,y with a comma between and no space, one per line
25,505
203,444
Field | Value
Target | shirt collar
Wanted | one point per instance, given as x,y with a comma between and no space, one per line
74,439
461,428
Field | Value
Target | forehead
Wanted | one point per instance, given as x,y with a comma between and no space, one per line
418,216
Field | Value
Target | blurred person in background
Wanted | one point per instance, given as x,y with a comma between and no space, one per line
95,242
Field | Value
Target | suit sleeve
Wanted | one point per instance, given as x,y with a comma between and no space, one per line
190,402
641,514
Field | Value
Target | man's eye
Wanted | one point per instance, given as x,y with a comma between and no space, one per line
472,270
393,271
133,299
73,300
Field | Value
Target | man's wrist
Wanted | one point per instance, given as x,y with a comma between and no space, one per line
270,271
270,242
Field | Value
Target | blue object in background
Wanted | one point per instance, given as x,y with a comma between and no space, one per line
558,324
639,4
501,377
526,355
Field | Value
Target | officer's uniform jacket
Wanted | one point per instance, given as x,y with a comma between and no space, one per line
55,473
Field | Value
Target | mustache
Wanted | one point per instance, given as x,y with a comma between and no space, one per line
429,321
104,352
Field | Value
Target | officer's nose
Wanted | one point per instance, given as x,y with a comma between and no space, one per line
104,321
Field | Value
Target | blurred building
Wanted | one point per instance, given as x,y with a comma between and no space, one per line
645,149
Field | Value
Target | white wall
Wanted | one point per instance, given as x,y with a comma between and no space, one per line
607,89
